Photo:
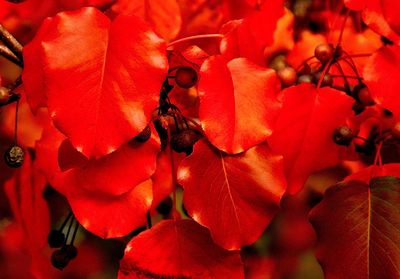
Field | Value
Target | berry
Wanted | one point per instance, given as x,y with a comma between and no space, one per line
144,135
288,76
56,239
326,81
186,77
4,95
343,135
14,157
164,208
324,52
362,95
60,259
396,131
278,62
184,141
71,251
305,78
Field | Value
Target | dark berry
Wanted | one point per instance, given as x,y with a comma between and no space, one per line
278,62
343,135
362,95
326,81
144,135
71,251
56,239
60,259
4,95
288,76
186,77
305,79
358,108
324,52
184,141
165,207
14,157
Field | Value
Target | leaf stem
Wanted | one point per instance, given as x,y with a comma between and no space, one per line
11,42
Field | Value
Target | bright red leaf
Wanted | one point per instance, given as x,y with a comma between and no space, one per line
382,76
303,131
358,225
178,249
234,196
238,103
96,98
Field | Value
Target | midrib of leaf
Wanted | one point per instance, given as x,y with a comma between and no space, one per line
229,191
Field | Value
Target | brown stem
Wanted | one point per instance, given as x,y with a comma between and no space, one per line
11,42
9,55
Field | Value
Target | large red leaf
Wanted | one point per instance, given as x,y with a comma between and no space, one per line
163,15
303,131
358,229
178,249
382,76
238,103
234,196
103,97
121,202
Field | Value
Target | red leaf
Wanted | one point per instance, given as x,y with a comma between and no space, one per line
234,196
163,15
106,100
358,229
303,131
238,103
382,74
178,249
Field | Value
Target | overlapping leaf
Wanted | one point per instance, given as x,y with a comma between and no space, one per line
358,227
304,128
238,103
178,249
234,196
103,97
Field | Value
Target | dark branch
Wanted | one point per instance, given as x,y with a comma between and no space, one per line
9,55
11,42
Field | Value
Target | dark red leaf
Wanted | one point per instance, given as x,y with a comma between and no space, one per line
178,249
358,227
303,131
238,103
234,196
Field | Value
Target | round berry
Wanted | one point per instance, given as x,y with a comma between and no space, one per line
4,95
326,81
362,94
186,77
343,135
305,79
56,239
71,251
288,76
59,259
14,157
324,52
144,135
165,207
278,62
184,141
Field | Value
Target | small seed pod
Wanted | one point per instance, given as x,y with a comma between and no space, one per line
326,81
14,157
144,135
56,239
4,95
165,207
71,251
324,52
184,141
343,135
278,62
305,79
288,76
362,95
186,77
60,259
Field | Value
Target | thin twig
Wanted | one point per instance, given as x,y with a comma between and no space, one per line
11,42
9,55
